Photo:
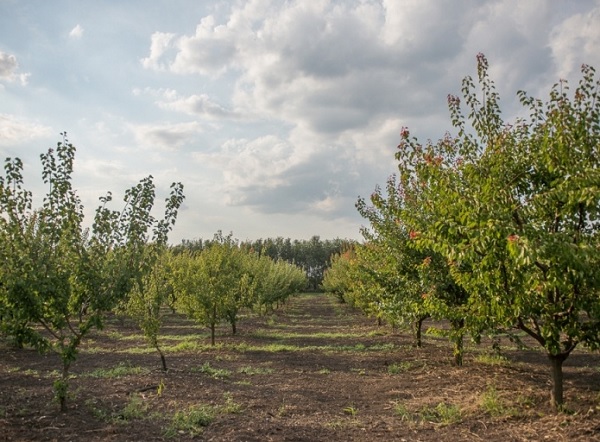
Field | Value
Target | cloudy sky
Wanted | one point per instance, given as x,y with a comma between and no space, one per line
276,115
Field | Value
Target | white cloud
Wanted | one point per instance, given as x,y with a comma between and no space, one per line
196,104
16,131
76,32
9,67
160,44
166,137
576,41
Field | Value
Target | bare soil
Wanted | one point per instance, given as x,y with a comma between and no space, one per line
314,370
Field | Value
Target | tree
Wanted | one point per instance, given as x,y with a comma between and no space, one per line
513,209
59,276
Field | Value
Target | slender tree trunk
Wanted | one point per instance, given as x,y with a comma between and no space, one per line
233,327
418,330
556,363
458,338
162,359
61,387
212,325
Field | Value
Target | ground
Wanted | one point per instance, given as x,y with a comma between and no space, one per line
314,370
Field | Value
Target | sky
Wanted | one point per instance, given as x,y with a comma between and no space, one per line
275,115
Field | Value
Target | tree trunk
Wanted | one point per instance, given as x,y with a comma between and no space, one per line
233,327
162,359
556,395
418,331
458,335
212,333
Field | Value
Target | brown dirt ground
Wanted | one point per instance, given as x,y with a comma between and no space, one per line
322,386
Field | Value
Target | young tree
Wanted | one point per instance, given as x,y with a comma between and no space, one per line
514,210
57,274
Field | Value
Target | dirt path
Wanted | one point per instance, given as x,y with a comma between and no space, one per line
312,371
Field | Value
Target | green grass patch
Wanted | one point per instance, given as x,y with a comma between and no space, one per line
251,371
120,370
215,373
442,413
400,367
492,359
190,422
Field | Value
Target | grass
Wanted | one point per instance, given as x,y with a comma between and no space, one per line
351,410
190,421
120,370
215,373
492,359
441,413
400,367
251,371
494,405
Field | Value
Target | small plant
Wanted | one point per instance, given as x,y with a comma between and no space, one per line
351,410
191,421
120,370
251,371
324,371
442,413
216,373
135,408
230,407
492,359
161,388
493,404
399,368
403,412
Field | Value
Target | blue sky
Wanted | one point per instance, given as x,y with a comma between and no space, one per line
275,115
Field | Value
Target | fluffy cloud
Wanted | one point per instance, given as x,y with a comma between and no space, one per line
76,32
14,130
160,43
9,67
196,104
576,41
344,77
166,137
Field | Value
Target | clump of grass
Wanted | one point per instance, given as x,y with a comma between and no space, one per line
216,373
492,359
135,408
492,404
324,371
191,421
402,411
442,413
400,367
120,370
251,371
230,407
351,410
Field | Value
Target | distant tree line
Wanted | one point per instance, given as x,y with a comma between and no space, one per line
313,256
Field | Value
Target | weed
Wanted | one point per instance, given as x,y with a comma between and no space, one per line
399,368
403,412
135,408
492,359
190,421
215,373
120,370
442,413
230,407
324,371
493,404
251,371
161,388
351,410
